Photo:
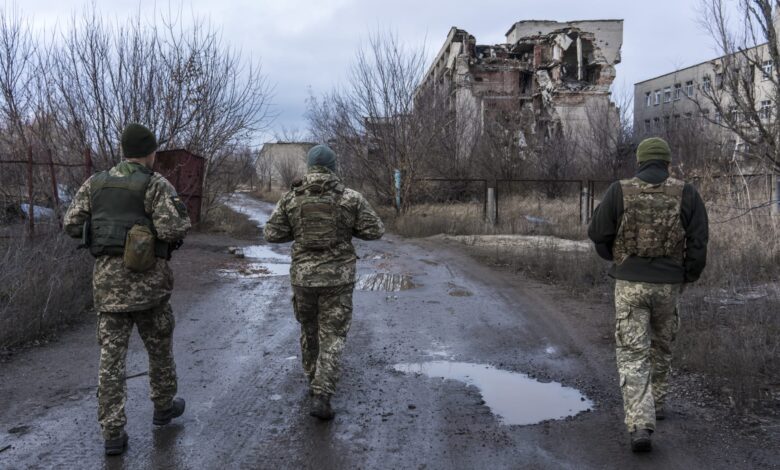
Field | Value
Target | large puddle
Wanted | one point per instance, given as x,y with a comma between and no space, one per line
386,282
515,398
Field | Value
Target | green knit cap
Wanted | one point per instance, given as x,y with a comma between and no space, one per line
322,155
654,148
138,141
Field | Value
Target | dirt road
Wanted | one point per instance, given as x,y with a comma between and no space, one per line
433,313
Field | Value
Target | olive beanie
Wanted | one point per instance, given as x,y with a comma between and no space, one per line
137,141
654,148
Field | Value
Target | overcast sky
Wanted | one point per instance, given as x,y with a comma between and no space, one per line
309,44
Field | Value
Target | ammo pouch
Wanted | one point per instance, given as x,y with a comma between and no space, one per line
139,252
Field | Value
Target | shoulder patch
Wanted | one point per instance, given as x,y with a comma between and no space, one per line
181,208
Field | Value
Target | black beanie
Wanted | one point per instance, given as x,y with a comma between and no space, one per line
138,141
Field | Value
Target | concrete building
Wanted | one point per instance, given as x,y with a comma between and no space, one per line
665,103
544,81
280,163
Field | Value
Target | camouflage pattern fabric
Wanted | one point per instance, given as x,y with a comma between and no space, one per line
647,322
329,267
155,326
325,314
651,225
116,288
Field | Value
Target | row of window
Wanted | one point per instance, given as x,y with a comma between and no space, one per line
675,93
764,112
670,94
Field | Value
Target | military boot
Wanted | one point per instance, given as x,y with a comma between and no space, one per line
640,440
320,407
117,444
163,417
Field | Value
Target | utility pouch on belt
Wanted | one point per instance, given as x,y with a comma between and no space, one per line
139,255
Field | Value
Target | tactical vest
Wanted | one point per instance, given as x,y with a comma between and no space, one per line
651,226
117,203
319,227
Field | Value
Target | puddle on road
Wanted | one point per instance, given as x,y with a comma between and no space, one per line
386,282
265,253
515,398
256,270
264,262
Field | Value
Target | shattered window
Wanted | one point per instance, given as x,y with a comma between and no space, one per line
719,80
689,88
657,123
667,95
766,69
706,84
677,91
647,125
718,117
648,99
765,111
657,97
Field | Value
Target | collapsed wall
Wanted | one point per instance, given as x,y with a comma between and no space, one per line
544,82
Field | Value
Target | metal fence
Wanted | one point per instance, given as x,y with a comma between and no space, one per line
544,201
183,169
44,164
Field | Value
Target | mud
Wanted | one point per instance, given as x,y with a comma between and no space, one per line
238,361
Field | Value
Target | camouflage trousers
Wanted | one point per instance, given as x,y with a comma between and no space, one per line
325,315
646,326
155,326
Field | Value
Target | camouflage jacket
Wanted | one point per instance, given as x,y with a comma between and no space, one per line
334,266
114,287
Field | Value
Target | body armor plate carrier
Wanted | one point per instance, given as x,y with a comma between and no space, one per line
117,204
650,226
320,215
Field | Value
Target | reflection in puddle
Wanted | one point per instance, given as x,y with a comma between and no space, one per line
265,263
515,398
264,252
386,282
256,270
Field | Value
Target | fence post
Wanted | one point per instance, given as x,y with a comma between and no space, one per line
584,202
491,206
30,192
54,190
87,163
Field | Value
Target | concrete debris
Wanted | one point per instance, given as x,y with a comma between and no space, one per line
545,80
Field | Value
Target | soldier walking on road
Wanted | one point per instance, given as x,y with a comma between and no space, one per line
321,215
655,229
131,219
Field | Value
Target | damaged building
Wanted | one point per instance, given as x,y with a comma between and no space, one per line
544,82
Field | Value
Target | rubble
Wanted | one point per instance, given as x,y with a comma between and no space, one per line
544,80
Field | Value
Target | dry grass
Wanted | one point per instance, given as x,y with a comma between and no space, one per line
44,283
223,219
273,195
730,320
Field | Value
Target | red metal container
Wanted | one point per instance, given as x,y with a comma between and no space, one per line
186,172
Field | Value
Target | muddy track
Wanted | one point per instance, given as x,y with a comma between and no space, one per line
237,354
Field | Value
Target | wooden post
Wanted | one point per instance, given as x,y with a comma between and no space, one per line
55,196
30,191
776,196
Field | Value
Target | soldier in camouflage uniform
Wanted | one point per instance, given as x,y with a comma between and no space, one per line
105,209
321,215
654,228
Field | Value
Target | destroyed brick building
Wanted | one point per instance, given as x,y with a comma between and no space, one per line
544,82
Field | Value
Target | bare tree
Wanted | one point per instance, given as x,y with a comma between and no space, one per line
372,121
745,90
